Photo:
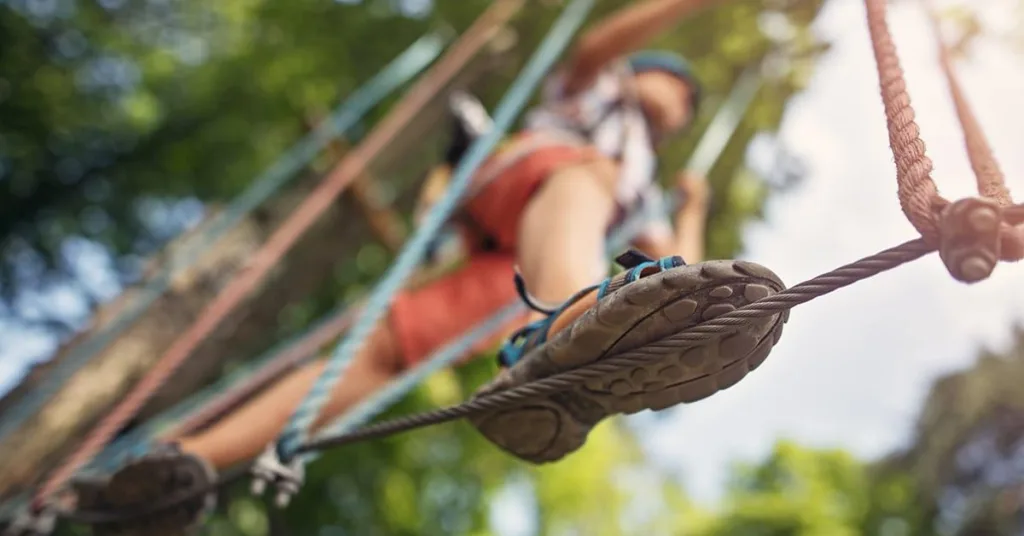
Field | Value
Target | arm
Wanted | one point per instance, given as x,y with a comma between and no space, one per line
691,220
687,237
623,32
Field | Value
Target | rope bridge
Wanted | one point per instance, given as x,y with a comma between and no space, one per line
971,235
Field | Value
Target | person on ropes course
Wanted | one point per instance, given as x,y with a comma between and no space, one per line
543,205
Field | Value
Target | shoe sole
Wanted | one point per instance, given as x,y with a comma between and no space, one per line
632,320
149,480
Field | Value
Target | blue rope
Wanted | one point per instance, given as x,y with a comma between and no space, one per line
296,432
399,71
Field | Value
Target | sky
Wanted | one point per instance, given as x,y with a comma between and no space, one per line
852,368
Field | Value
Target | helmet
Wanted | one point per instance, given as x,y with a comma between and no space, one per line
671,63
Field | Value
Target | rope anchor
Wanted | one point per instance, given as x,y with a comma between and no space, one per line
287,478
970,238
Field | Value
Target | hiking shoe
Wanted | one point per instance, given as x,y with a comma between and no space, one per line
161,475
634,310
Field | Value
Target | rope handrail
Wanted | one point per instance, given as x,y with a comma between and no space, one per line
559,36
398,72
973,234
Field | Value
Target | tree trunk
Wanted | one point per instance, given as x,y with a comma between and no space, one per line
88,395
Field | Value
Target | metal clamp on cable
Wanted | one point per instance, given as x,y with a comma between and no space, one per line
32,523
969,238
286,478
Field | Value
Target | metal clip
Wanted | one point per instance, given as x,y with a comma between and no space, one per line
30,523
969,234
286,478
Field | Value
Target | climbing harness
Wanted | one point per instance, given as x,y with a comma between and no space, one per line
399,71
971,235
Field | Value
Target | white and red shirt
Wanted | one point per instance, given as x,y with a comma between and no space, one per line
607,117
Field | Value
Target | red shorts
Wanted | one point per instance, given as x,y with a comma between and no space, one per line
427,318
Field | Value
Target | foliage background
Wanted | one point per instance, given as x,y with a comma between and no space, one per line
122,123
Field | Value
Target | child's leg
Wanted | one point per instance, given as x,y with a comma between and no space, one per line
561,250
244,434
419,323
562,235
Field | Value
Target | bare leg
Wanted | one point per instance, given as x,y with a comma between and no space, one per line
562,235
245,433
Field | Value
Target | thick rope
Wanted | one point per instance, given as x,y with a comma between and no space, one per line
991,183
920,200
297,429
968,249
919,197
398,72
990,179
260,264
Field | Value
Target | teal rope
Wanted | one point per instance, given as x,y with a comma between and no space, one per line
296,432
412,61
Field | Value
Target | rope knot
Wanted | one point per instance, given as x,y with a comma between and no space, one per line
974,235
